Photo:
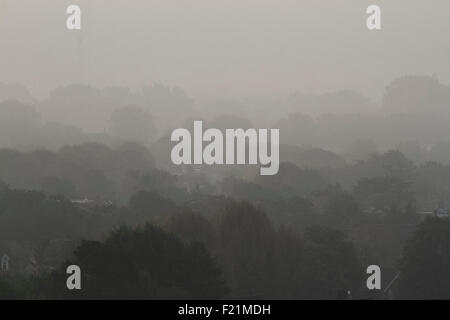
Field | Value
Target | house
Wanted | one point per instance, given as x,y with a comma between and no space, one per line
84,201
438,213
441,213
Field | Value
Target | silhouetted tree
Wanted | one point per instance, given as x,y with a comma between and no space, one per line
133,124
425,266
145,263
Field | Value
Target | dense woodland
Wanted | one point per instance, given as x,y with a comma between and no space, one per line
355,188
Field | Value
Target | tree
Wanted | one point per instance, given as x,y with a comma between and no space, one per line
293,181
330,265
57,186
191,227
246,248
227,121
31,215
425,266
151,204
263,262
144,263
133,124
382,192
396,165
158,181
170,106
416,94
361,149
18,124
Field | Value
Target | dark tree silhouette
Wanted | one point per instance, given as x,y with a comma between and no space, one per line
425,266
145,263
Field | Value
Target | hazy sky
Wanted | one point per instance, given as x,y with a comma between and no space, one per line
226,48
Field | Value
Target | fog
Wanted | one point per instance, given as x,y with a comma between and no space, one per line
361,168
224,49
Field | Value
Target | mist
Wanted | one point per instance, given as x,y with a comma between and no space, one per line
230,49
359,150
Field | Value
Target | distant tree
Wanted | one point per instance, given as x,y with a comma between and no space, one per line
91,167
133,124
361,150
170,106
396,165
343,102
17,92
416,94
297,129
262,262
57,186
127,157
84,106
227,121
241,189
330,265
309,157
412,150
144,263
432,184
157,181
33,216
246,248
383,192
293,181
151,204
341,208
296,212
18,124
54,135
191,227
425,266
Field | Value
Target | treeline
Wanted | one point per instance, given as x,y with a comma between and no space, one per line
238,253
345,121
112,174
380,196
181,254
308,232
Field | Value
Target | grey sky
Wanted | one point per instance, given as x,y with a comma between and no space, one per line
225,48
